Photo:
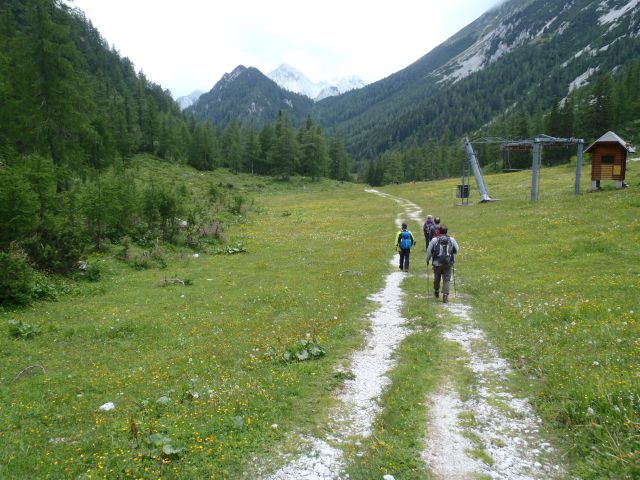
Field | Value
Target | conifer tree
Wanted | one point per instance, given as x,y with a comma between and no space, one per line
600,111
59,95
284,154
251,151
232,146
267,142
314,156
393,171
338,159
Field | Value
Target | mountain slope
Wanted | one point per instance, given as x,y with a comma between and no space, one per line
249,96
521,53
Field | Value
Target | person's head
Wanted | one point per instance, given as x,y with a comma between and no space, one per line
429,217
443,229
404,226
437,220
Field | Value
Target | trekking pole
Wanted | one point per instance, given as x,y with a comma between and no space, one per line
428,276
455,291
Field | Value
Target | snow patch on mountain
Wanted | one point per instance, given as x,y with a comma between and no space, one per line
289,78
544,29
494,44
563,27
582,80
585,51
613,15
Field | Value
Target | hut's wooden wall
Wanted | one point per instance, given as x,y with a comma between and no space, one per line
615,171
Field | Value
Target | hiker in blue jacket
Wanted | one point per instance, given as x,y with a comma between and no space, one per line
404,242
442,250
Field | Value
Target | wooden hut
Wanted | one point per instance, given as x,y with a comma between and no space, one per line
609,159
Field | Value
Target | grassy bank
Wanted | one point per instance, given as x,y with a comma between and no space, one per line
555,285
195,371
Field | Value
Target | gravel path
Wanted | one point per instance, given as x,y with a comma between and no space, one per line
506,428
352,420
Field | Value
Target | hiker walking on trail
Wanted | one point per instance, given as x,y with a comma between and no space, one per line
404,242
442,250
426,228
434,230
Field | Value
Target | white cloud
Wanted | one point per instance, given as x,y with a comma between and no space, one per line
188,45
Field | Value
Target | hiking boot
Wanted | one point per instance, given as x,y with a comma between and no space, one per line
436,294
406,270
445,298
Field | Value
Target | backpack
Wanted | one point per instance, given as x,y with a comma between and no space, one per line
405,240
434,231
443,251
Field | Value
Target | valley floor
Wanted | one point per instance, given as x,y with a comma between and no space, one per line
530,372
476,429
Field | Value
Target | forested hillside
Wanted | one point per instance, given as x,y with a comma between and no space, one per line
68,96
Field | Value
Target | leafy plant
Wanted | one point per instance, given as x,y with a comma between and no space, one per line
302,351
44,288
160,445
22,330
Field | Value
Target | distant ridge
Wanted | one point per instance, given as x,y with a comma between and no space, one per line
293,80
188,100
249,96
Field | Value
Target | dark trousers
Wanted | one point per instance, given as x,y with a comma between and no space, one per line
404,260
444,272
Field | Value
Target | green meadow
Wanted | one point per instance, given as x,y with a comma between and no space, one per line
555,285
204,359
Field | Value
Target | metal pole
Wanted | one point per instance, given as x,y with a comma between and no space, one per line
579,166
536,169
484,194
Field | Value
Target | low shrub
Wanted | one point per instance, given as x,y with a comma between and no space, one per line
302,351
22,330
55,247
16,279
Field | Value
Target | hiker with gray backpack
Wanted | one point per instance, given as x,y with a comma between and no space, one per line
404,242
442,250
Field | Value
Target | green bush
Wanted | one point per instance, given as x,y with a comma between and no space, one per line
20,207
16,279
55,247
44,288
239,204
93,273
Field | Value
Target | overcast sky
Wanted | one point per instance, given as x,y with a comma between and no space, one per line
188,45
